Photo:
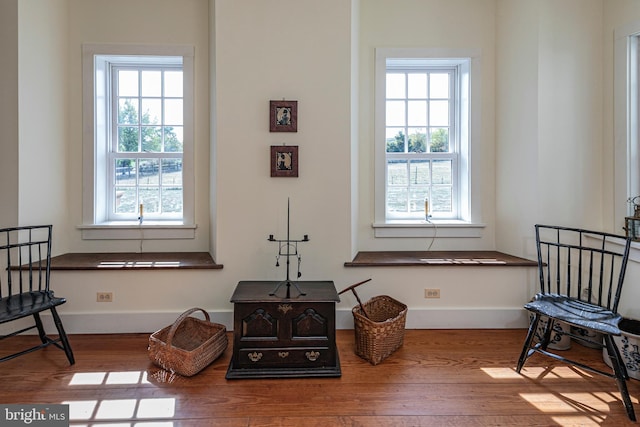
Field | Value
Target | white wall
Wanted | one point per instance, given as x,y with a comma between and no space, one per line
545,112
517,189
44,117
570,112
9,113
549,103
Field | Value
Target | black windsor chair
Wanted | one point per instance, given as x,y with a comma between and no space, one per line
581,274
25,259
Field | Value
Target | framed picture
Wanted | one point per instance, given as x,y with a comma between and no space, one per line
284,160
283,116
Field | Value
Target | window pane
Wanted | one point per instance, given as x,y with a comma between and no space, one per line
397,172
395,140
419,172
151,83
151,139
442,172
151,111
172,199
416,199
171,172
125,172
417,113
439,85
128,137
395,85
125,200
439,113
440,200
417,140
173,84
397,199
440,140
395,113
150,198
173,139
417,85
128,83
173,111
149,172
128,111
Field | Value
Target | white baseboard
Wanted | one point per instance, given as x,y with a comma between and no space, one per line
120,323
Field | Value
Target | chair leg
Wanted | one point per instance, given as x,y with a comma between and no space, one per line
533,325
63,336
621,375
546,334
41,332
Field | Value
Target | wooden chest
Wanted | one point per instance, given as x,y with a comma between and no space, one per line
274,336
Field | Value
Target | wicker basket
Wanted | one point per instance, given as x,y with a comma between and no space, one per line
382,332
189,345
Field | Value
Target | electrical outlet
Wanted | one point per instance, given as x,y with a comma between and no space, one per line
104,297
432,293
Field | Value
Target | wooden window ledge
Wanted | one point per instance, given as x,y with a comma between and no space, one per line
134,261
438,258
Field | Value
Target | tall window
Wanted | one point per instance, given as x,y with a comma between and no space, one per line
138,141
423,133
420,139
146,144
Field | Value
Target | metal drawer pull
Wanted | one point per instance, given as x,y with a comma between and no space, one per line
255,356
283,354
312,355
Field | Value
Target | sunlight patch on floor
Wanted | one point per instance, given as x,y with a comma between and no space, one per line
119,409
560,372
580,420
97,378
570,402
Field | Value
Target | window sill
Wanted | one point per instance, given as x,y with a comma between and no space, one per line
135,261
438,258
434,228
132,230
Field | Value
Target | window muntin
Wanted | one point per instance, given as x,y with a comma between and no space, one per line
421,151
146,144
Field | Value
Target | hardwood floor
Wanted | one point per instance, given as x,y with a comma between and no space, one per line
439,378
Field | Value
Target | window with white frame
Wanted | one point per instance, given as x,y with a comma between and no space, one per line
421,138
424,128
138,140
146,141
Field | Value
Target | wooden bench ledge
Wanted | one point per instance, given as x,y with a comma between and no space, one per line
438,258
134,261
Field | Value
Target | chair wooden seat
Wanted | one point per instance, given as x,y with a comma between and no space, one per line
575,312
581,273
25,259
25,304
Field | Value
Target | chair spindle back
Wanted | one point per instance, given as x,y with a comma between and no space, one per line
586,265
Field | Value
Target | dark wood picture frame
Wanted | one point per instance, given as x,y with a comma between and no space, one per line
284,161
283,116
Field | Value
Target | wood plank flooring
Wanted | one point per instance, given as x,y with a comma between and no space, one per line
438,378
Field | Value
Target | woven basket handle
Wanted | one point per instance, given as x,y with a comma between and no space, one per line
352,288
181,319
